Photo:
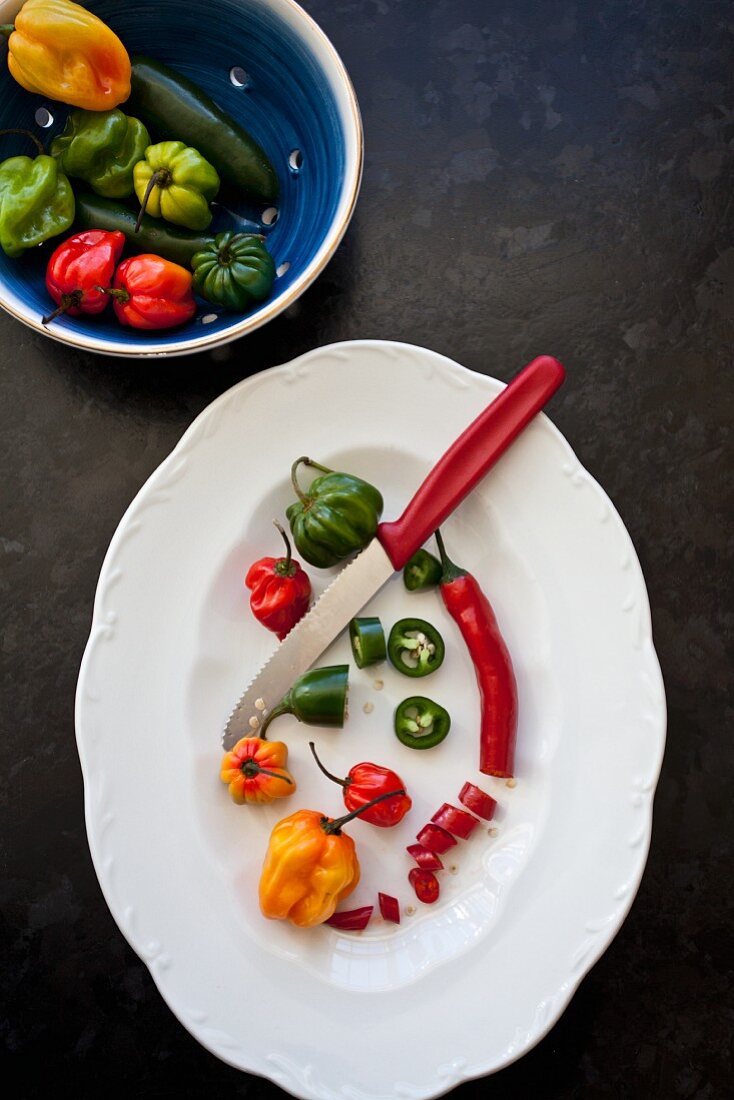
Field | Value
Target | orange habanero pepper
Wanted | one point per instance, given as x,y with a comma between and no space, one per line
255,771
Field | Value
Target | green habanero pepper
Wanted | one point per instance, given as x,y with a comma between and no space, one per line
174,182
36,200
415,647
234,270
318,698
337,516
420,723
102,148
368,641
422,571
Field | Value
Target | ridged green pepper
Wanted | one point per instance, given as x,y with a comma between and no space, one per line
36,201
102,148
175,182
234,270
337,516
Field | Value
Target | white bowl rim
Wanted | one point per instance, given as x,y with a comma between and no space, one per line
341,86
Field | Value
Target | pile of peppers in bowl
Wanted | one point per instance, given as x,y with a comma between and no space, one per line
105,159
311,864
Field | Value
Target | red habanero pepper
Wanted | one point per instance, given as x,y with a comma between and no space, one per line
281,591
364,783
78,267
471,610
152,293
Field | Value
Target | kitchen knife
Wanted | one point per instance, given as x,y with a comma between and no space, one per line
451,479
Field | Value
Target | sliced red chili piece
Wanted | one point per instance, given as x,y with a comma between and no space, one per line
351,920
435,838
425,885
425,858
389,907
455,821
478,801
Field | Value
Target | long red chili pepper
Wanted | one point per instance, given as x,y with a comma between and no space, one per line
471,610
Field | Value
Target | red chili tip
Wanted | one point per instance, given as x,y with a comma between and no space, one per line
351,920
389,907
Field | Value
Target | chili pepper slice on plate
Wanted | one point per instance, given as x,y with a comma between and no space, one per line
435,838
422,571
152,293
368,641
420,723
363,784
336,517
415,647
478,801
389,907
471,610
351,920
424,857
455,821
255,771
76,269
317,698
281,590
425,885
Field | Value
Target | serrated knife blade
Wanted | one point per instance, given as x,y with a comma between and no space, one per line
451,479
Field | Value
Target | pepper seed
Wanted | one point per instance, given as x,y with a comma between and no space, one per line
368,708
379,685
511,783
254,723
260,704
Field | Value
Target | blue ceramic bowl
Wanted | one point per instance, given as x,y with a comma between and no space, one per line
270,66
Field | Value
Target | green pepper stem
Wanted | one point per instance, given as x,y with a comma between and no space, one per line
155,180
334,825
25,133
283,707
341,782
284,566
304,460
451,571
118,293
68,301
7,28
251,768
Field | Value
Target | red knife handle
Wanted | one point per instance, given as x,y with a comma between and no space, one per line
470,457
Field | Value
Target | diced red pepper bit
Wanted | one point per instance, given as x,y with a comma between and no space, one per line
455,821
435,838
425,858
351,920
389,907
478,801
425,885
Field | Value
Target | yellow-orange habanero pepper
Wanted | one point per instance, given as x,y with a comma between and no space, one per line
255,771
60,50
310,866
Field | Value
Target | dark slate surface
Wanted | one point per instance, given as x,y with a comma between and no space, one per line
540,177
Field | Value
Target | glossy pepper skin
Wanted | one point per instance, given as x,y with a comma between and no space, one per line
255,771
363,784
472,611
310,866
235,270
368,641
176,183
152,293
336,517
36,202
281,591
422,571
60,50
317,698
101,148
77,269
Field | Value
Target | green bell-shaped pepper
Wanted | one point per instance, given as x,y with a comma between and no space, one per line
234,270
176,183
337,516
102,148
36,202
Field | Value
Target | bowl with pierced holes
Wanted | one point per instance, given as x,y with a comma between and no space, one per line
274,71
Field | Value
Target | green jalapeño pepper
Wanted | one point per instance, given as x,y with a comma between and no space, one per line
337,516
234,270
415,647
318,698
420,723
422,571
176,183
36,200
368,641
102,148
